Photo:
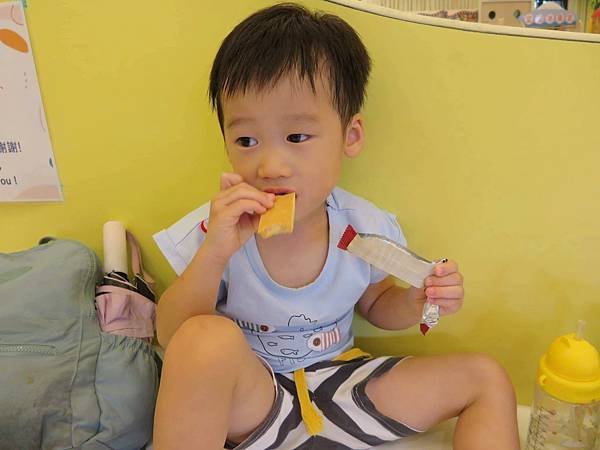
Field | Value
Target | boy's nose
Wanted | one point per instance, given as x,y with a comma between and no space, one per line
274,165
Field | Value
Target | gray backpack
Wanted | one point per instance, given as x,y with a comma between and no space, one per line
64,384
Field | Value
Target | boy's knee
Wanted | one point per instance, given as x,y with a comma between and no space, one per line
207,334
490,375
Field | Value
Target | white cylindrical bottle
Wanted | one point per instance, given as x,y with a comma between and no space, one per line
115,247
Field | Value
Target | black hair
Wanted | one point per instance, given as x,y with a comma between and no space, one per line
288,39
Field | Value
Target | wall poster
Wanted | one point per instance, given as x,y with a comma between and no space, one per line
27,165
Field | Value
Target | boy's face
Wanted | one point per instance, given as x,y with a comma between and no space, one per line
290,139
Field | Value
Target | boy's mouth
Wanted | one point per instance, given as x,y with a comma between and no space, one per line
279,191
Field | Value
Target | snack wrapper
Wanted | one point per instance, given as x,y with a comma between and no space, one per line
396,260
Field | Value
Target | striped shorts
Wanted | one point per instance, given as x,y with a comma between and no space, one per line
337,392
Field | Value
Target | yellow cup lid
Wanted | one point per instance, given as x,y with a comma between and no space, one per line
570,370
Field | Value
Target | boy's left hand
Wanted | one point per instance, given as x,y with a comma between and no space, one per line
444,287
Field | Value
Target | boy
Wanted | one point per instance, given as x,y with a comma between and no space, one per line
256,330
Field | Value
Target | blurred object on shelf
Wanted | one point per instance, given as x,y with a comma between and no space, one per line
466,15
550,15
503,12
576,15
563,3
441,13
593,17
427,7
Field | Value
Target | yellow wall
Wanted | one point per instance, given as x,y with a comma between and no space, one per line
483,145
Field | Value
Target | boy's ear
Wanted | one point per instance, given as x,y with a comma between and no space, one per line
354,136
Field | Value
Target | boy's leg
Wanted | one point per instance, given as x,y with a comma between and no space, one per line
212,386
421,392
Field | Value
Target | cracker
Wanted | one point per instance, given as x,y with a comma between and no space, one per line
280,218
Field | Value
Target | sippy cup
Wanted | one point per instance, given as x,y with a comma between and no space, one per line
566,407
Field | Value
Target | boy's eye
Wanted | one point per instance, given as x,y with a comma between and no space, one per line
297,138
246,141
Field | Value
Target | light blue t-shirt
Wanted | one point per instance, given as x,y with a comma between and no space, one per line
292,328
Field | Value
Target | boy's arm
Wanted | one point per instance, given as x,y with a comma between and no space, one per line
234,215
192,294
389,306
393,307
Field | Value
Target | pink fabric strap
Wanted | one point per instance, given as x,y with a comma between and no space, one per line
136,260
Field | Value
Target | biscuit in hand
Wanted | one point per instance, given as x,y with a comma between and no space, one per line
280,218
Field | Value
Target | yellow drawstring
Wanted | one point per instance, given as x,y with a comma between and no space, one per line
351,354
313,421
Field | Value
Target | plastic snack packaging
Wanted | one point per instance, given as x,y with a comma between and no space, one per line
396,260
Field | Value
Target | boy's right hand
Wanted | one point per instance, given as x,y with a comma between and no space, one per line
234,215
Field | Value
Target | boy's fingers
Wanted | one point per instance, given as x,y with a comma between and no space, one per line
445,292
455,278
229,179
444,268
245,191
449,306
244,207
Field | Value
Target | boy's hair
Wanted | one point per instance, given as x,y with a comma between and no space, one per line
288,39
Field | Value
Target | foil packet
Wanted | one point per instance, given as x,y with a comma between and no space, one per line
396,260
